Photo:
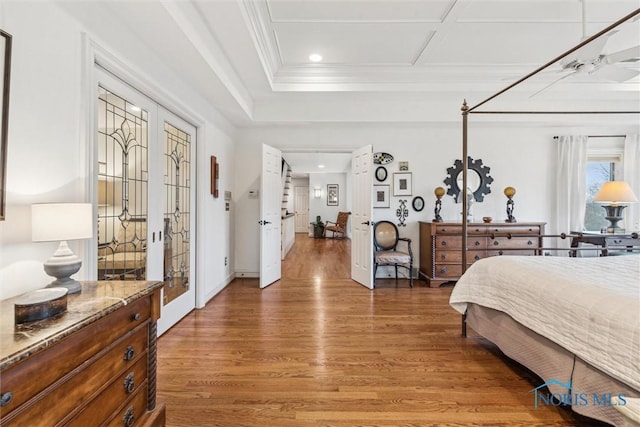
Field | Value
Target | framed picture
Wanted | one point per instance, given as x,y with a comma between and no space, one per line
380,196
403,166
332,194
381,174
215,173
402,184
5,74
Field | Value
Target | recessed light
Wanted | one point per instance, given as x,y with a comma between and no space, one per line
321,166
314,57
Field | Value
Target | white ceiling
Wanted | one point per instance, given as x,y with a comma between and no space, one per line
395,61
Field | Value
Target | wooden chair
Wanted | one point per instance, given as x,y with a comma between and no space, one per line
386,239
338,227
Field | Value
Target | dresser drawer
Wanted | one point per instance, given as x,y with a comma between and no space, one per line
453,271
456,256
61,401
133,412
514,230
54,363
111,398
513,243
456,229
455,242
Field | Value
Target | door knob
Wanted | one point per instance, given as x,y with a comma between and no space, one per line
264,222
366,223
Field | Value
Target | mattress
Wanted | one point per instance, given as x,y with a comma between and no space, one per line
588,306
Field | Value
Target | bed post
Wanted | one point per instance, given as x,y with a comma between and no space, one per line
465,207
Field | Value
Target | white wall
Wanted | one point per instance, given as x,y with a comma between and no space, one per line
318,206
47,150
519,154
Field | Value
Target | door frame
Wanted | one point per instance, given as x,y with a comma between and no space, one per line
94,54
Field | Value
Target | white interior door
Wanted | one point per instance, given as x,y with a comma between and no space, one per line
270,219
361,225
301,208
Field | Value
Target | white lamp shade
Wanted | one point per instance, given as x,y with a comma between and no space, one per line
61,221
615,192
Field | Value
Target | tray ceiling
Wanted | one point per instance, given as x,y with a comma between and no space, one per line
383,60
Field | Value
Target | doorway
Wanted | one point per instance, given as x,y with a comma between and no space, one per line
146,216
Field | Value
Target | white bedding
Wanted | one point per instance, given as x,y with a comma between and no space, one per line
589,306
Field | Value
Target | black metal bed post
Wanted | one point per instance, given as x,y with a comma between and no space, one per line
465,201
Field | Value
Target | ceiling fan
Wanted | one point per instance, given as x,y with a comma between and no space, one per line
590,59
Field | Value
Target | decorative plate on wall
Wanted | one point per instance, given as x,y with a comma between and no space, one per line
382,158
381,173
417,203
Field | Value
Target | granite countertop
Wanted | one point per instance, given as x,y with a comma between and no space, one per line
96,300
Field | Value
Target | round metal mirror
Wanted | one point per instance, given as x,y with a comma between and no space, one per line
478,179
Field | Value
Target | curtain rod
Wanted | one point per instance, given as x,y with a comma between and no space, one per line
600,136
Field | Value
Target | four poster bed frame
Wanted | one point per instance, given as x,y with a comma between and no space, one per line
535,351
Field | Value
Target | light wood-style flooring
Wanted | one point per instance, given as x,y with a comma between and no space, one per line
316,349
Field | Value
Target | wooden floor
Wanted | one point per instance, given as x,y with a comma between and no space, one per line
316,349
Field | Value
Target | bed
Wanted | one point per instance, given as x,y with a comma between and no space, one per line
566,319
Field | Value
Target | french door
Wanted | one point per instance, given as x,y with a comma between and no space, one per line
146,199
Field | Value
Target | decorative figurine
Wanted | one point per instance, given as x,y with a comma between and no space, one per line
439,192
510,192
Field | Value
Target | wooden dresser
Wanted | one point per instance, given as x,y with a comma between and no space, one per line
94,364
441,245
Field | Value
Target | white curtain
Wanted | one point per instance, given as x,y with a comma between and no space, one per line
571,183
632,177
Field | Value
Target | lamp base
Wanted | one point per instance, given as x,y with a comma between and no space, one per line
614,216
62,265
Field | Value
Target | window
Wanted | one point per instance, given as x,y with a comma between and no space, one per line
604,163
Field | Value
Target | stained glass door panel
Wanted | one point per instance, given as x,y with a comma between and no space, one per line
123,180
177,212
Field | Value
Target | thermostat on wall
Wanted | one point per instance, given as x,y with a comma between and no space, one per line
253,194
227,196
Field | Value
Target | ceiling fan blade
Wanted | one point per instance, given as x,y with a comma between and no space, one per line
616,74
586,53
630,55
553,83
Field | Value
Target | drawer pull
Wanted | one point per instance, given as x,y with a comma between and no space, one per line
496,243
444,243
443,256
136,316
500,253
5,399
443,269
129,383
477,257
529,243
129,419
129,353
477,243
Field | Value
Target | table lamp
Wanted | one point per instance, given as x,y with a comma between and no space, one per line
61,222
615,195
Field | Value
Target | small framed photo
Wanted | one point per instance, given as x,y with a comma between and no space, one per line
402,184
380,196
403,166
332,195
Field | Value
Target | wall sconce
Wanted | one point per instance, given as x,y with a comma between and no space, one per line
317,193
617,194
